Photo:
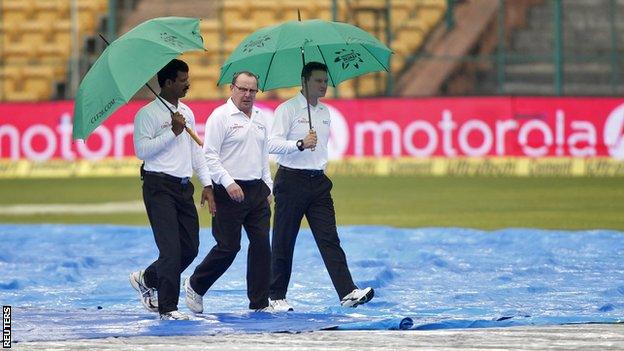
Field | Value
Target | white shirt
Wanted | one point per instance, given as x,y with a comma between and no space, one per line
163,151
290,125
236,145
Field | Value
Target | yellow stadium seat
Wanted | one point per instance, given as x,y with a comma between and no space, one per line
369,4
48,11
404,5
346,90
95,6
37,41
236,32
205,72
17,11
440,4
193,58
235,11
210,31
289,9
53,50
265,11
38,72
18,51
371,84
430,16
9,33
87,21
28,88
203,89
61,32
287,93
40,87
10,74
34,32
397,62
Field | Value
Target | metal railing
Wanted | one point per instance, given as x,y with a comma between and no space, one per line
570,47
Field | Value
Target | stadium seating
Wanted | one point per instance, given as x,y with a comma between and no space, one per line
36,37
411,21
36,44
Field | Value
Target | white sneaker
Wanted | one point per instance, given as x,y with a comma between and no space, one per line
357,297
146,295
174,316
268,309
281,306
194,301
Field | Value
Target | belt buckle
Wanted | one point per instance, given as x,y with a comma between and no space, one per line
185,180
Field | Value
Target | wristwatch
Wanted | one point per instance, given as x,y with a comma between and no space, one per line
300,144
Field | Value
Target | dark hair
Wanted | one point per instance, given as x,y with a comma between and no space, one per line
170,71
248,73
306,72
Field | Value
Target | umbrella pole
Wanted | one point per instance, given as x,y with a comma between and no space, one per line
188,129
305,93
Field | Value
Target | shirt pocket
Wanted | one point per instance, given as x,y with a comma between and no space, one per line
259,132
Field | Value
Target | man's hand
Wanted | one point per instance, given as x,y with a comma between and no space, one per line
270,199
177,123
235,192
208,196
309,142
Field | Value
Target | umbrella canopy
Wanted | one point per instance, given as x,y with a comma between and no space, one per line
274,53
127,64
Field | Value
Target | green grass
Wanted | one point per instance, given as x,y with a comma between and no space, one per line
471,202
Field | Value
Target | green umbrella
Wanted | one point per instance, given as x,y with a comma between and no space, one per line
275,53
127,64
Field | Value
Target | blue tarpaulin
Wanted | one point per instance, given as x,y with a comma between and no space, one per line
71,281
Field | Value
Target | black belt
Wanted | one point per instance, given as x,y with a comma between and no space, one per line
184,180
247,182
306,172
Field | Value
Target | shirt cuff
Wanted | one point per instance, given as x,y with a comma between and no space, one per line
293,146
226,180
270,185
205,179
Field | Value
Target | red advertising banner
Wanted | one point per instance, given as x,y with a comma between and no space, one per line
429,127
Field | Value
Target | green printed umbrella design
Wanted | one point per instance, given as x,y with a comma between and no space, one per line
276,53
127,64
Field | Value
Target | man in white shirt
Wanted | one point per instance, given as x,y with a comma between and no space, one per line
302,188
237,153
170,155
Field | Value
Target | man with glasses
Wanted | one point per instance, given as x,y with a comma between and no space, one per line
237,153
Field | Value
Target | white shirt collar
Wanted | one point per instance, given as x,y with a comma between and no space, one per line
303,103
171,106
233,110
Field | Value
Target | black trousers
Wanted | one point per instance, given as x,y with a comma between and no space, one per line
254,215
298,193
173,217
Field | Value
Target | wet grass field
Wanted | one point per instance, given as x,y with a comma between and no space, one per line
469,202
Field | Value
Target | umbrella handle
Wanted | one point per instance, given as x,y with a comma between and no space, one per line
194,136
